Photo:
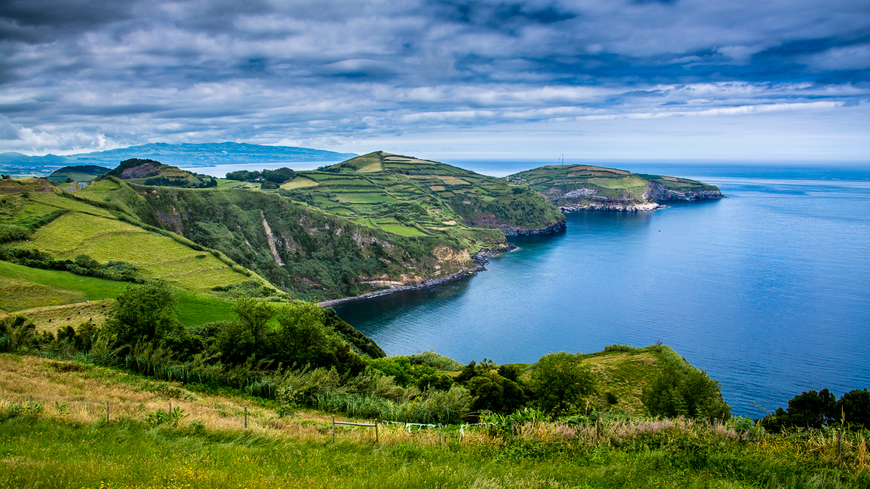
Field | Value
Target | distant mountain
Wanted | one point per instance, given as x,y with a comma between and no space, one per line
190,155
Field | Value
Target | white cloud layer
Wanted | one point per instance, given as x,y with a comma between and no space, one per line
82,75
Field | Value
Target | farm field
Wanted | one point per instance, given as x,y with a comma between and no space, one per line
373,188
53,299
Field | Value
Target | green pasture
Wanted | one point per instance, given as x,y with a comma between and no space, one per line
157,256
23,288
402,230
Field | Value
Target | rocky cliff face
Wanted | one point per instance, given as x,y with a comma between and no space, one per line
653,197
659,193
551,229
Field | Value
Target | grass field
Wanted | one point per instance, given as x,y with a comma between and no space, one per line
61,440
25,288
157,256
62,297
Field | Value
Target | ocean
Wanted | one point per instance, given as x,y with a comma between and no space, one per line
767,290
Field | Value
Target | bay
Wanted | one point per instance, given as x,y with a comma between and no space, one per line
767,290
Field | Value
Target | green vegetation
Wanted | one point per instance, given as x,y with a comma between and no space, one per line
818,410
584,186
79,173
53,439
151,172
303,251
413,197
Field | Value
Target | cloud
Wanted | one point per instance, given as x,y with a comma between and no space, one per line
80,73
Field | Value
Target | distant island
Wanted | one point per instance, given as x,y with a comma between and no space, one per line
185,154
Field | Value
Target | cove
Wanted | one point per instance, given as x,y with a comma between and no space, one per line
768,290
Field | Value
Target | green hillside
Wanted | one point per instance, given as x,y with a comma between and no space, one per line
583,186
83,173
151,172
414,197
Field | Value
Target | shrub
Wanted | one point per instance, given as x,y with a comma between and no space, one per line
143,312
562,384
437,361
17,332
693,394
9,232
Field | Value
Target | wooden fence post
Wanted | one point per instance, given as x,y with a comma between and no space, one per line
107,412
246,417
376,432
333,429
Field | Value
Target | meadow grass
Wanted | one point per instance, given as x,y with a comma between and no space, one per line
157,256
402,230
299,182
53,434
61,297
24,287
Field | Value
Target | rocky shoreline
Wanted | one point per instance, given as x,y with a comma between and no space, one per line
655,195
551,229
480,260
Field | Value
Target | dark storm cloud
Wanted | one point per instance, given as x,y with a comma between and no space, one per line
73,72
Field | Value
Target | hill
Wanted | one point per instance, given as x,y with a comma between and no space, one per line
574,187
416,197
150,172
81,173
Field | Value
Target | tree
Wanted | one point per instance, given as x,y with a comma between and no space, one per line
813,409
254,314
856,406
691,393
143,312
303,339
492,392
562,384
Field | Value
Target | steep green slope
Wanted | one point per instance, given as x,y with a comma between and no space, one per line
303,250
573,187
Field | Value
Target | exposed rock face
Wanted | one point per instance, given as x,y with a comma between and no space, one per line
141,171
272,240
659,193
654,197
551,229
444,253
416,283
614,206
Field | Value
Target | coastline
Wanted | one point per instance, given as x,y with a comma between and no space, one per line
480,260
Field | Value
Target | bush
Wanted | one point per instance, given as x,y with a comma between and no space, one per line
562,384
437,361
143,312
693,394
17,332
9,232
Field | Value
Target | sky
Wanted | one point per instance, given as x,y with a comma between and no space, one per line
657,80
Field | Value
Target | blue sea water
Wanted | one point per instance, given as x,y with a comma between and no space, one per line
767,290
